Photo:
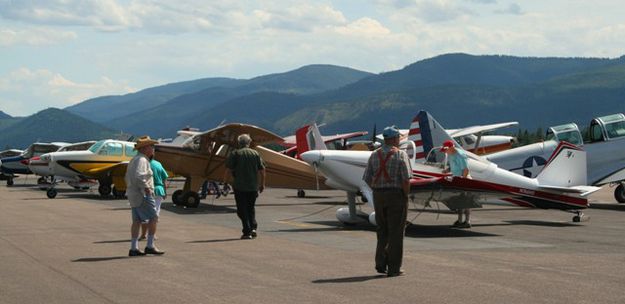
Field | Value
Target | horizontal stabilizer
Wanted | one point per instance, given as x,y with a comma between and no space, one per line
581,190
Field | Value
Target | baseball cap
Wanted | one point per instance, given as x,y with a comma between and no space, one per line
447,144
390,132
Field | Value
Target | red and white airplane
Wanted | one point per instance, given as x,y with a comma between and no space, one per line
560,185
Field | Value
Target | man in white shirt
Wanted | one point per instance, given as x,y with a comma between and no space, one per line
140,192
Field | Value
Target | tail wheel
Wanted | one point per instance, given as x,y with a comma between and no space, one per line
619,194
51,193
176,197
191,199
104,190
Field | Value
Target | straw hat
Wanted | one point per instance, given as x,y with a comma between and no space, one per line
145,141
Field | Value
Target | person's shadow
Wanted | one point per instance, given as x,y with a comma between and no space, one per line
350,279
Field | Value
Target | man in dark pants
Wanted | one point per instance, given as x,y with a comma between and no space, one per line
388,174
246,165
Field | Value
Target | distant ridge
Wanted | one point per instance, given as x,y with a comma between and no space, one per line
52,125
4,115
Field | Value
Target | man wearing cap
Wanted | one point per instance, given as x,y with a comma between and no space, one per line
248,170
140,192
388,174
458,167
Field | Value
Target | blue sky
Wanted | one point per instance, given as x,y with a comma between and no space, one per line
55,53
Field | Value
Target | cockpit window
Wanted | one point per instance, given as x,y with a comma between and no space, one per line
615,129
130,150
96,146
112,148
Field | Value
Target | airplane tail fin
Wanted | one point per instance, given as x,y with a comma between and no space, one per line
566,170
426,133
308,138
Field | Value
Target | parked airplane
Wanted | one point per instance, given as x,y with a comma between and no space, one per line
104,161
303,135
202,158
560,186
10,166
41,168
606,159
472,139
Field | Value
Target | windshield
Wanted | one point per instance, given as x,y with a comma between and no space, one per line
615,129
96,146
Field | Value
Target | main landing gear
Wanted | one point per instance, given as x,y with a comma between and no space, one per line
619,193
190,199
580,217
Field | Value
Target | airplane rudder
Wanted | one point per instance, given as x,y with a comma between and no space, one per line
565,167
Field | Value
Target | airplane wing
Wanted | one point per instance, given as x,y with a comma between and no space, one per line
478,129
115,168
227,134
291,141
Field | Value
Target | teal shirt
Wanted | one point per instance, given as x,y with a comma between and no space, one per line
244,164
160,176
458,162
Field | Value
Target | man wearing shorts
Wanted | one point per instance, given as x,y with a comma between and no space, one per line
140,192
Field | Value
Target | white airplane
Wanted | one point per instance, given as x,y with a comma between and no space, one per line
472,139
18,164
561,185
606,159
42,168
105,161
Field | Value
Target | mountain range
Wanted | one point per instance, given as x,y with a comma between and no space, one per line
458,89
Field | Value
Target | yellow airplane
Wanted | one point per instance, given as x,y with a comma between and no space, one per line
202,157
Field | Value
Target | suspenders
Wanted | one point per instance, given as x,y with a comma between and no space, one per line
382,170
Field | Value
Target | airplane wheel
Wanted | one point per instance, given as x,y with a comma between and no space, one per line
301,193
10,182
175,197
191,199
577,219
619,194
118,194
104,190
51,193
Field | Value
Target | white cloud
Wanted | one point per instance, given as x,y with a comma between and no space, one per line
34,36
24,91
164,16
512,9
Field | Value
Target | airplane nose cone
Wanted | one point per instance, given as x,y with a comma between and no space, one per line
311,157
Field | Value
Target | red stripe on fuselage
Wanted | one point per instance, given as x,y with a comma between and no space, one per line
476,185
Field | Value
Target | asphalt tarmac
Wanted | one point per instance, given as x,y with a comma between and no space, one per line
73,249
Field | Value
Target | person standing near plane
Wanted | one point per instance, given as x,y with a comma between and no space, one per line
245,165
160,192
140,192
458,167
388,174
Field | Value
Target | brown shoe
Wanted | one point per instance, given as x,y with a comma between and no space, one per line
154,250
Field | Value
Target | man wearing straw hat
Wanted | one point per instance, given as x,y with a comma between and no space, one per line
140,192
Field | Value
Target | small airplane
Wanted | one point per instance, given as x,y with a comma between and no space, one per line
472,138
561,185
104,161
18,164
303,135
41,168
606,160
202,157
